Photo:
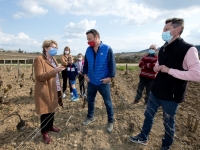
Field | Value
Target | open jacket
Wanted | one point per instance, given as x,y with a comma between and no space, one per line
46,95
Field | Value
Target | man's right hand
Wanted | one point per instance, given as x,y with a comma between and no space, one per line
86,78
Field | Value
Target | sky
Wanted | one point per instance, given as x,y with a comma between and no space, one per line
125,25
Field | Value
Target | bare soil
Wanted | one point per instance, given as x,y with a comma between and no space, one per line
73,136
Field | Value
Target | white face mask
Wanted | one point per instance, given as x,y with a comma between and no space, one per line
80,58
66,52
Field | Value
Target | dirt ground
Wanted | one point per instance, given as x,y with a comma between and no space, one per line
73,136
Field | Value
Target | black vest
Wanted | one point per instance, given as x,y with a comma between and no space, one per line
165,86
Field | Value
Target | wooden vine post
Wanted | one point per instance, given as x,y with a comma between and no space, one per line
4,62
196,125
126,69
25,63
18,67
11,64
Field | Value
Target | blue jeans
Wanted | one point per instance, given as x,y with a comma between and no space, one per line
169,112
72,81
104,90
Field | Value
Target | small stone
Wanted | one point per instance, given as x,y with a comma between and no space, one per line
185,139
13,143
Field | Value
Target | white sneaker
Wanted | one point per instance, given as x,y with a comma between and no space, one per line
64,95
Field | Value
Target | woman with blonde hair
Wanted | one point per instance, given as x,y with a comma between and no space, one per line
47,88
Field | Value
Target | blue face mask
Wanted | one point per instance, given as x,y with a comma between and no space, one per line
53,51
166,36
151,51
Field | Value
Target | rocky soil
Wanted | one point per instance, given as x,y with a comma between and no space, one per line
18,99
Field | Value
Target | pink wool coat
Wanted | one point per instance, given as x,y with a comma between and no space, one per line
46,95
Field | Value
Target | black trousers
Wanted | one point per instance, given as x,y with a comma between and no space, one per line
46,121
81,84
64,76
144,83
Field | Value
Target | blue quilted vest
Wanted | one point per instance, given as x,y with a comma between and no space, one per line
97,68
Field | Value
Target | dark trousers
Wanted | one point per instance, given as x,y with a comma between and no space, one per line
64,76
169,112
46,121
104,90
144,83
81,84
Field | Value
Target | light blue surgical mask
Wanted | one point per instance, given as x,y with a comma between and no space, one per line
166,36
151,51
53,51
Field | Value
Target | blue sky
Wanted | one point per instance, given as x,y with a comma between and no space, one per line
125,25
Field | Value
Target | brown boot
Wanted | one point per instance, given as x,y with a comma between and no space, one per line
46,138
54,129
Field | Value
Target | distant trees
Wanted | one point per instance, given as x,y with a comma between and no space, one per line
20,51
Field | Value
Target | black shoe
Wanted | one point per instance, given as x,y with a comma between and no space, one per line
137,139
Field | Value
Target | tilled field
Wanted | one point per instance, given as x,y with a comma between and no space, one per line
73,136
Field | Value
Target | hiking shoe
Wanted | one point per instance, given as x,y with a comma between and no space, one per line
88,121
135,102
164,148
64,95
74,99
137,139
71,96
109,126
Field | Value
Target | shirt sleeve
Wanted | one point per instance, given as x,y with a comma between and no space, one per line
85,66
191,64
111,64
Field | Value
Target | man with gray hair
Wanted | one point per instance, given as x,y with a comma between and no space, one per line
147,74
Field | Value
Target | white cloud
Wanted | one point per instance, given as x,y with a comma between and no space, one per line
60,6
126,12
31,8
130,12
22,41
23,36
128,9
77,30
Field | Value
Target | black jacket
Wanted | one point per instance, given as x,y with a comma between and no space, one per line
165,86
72,71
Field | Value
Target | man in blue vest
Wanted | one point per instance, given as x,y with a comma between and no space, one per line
99,68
